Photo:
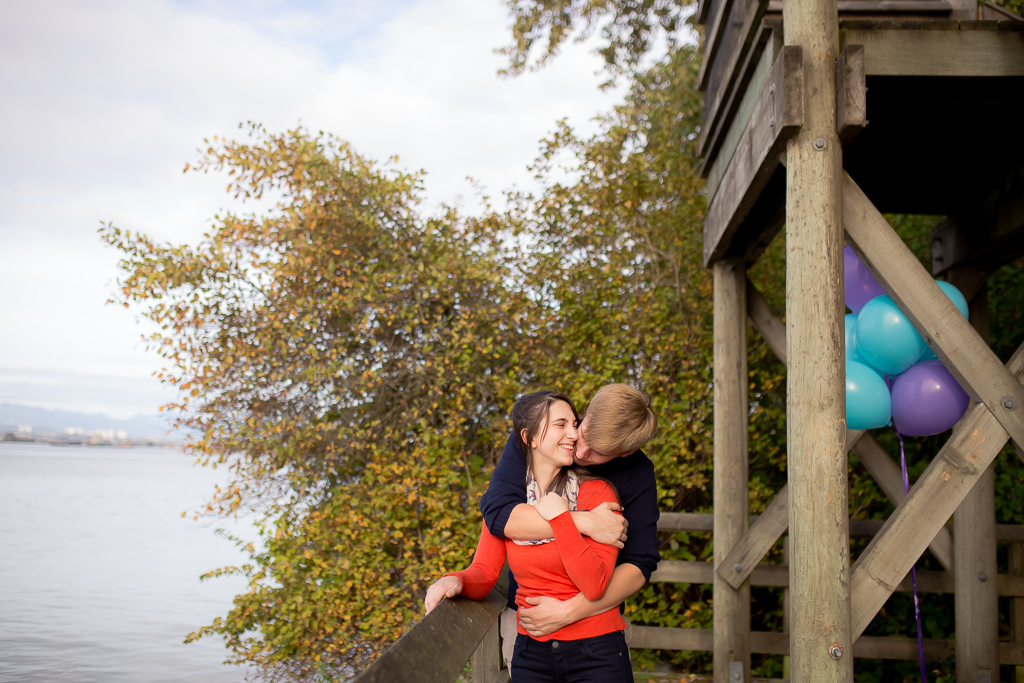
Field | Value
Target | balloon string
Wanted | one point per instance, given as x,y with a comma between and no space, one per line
913,570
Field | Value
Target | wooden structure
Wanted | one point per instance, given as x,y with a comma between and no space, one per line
820,115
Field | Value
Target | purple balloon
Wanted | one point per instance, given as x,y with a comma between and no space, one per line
927,400
859,285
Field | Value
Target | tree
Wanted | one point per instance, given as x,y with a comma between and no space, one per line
352,363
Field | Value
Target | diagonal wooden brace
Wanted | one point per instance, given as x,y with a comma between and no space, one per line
933,499
948,333
886,472
774,521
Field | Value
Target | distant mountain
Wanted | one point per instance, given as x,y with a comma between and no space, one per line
59,421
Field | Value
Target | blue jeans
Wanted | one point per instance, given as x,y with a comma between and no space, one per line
601,659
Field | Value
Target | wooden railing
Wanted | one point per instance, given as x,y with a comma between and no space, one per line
437,648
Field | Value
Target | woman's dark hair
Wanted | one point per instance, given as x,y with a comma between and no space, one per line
530,415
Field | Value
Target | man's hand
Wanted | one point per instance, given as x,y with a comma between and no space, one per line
603,524
445,587
548,614
552,505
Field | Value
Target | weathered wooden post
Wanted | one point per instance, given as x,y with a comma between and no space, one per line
732,502
819,569
974,540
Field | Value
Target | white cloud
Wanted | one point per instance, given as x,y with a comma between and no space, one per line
104,103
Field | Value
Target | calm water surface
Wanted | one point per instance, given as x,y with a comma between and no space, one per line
99,573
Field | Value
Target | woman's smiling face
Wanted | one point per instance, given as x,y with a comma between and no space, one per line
556,444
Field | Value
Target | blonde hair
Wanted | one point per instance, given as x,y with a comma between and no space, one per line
620,419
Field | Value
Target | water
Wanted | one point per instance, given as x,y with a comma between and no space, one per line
99,573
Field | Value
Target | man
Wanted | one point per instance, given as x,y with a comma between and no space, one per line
618,422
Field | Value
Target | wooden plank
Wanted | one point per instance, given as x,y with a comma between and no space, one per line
713,36
770,643
731,616
721,136
954,341
938,53
887,474
776,118
436,649
703,522
851,94
777,576
486,660
933,499
686,521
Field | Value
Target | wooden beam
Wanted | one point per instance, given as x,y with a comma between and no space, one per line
819,530
887,474
954,341
726,119
771,643
965,353
933,499
777,116
713,35
777,576
851,93
938,53
974,527
881,7
731,493
766,322
703,522
436,649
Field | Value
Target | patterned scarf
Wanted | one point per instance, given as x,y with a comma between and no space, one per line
534,494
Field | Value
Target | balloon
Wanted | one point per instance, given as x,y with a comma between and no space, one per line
859,285
927,400
958,299
851,340
886,338
868,404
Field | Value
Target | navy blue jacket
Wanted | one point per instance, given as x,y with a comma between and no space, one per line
632,475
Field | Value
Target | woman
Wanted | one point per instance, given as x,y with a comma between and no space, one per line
592,649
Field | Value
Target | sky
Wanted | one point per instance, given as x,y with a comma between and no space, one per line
105,102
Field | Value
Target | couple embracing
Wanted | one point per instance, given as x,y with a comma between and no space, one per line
557,508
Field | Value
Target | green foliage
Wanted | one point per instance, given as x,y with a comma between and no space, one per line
628,29
353,365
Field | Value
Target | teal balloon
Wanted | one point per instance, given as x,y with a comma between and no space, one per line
959,300
868,403
886,338
851,339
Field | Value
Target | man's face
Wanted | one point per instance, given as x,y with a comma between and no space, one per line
587,456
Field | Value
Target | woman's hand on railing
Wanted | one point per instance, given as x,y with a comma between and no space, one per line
445,587
552,505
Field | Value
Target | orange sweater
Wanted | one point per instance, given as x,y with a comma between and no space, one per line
569,565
